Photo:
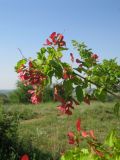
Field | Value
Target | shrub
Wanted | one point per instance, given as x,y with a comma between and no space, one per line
8,135
3,98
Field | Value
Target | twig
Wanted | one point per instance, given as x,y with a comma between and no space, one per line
21,53
117,96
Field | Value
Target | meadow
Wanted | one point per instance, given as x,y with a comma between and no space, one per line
42,129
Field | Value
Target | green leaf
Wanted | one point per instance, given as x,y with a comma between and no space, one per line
38,62
67,84
41,54
50,50
85,151
62,158
100,94
43,50
79,93
62,49
117,108
76,80
111,139
47,81
67,156
20,63
58,54
57,68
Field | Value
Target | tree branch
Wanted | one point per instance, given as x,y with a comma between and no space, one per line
117,96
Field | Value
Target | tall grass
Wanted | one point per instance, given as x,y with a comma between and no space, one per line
46,129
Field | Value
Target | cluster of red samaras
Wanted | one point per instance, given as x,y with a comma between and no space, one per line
94,57
66,107
66,74
55,40
30,76
73,139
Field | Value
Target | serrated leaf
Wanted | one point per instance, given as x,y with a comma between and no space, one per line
79,93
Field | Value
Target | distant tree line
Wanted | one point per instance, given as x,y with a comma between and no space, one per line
21,95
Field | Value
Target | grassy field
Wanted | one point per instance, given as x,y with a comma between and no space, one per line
43,129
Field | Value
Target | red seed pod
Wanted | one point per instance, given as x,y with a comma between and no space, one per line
65,75
80,66
53,36
87,100
94,56
84,134
78,125
72,57
99,153
60,37
30,64
62,43
78,61
25,157
91,133
71,137
48,42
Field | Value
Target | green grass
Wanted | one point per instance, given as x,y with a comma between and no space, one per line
46,129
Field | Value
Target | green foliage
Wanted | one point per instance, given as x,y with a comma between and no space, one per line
103,76
3,98
20,63
117,108
97,151
11,147
20,95
107,74
8,135
14,97
100,94
68,88
42,131
48,94
79,93
57,68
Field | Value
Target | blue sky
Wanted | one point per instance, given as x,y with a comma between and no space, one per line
25,24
